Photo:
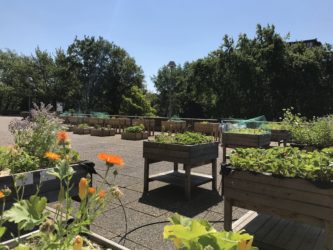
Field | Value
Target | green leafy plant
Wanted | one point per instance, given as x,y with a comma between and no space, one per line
286,162
57,233
275,126
83,125
190,234
135,129
187,138
251,131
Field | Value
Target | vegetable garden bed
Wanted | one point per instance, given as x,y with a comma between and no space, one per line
291,198
134,136
102,132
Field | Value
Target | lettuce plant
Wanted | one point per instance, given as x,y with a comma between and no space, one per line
135,129
187,138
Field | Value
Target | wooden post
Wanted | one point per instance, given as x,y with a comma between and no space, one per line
146,176
227,214
224,147
329,235
187,181
175,166
214,175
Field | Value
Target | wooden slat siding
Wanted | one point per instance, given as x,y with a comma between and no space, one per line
280,192
246,139
298,236
309,241
289,205
272,235
292,183
280,212
279,135
287,234
178,178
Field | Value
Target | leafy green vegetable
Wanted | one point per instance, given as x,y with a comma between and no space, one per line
187,138
252,131
27,213
287,162
83,125
135,129
275,126
189,234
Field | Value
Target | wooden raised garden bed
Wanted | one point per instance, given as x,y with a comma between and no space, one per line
149,124
280,135
93,237
189,155
102,132
212,129
134,136
81,131
173,126
49,184
290,198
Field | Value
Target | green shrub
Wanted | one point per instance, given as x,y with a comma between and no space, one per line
135,129
275,126
287,162
187,138
83,125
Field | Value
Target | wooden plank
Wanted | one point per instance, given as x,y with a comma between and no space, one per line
294,206
243,221
280,192
146,176
293,183
310,240
272,236
227,214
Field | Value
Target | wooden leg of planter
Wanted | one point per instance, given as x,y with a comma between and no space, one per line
328,235
146,176
214,175
187,181
227,214
175,166
224,154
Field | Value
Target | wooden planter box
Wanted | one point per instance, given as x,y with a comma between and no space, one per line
149,124
207,128
93,237
190,155
172,126
50,184
81,131
94,121
278,135
290,198
102,132
245,140
134,136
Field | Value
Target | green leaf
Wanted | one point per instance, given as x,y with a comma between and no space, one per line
2,231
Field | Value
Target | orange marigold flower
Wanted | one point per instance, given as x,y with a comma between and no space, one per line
52,156
62,136
78,243
111,159
102,194
83,188
91,190
2,195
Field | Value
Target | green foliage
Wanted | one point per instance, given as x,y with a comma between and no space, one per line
316,132
83,125
274,126
287,162
136,103
135,129
187,138
251,131
27,214
197,234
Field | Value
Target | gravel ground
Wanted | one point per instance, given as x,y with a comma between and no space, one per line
146,215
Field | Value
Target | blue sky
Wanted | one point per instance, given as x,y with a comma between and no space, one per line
157,31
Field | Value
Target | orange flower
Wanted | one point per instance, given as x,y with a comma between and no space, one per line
52,156
78,243
111,159
83,188
102,194
2,195
91,190
62,136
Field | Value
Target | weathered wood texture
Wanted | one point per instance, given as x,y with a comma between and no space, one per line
190,155
94,121
289,198
134,136
248,140
173,126
280,135
212,129
102,132
186,154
